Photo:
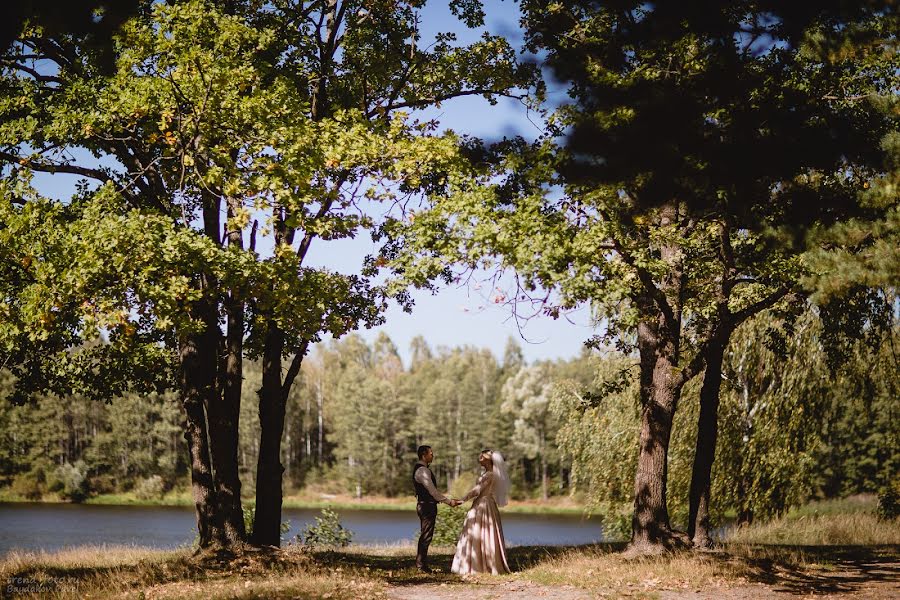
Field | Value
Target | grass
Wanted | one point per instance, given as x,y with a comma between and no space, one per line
827,529
122,572
848,521
179,497
371,571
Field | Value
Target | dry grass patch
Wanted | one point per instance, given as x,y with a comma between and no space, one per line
858,529
603,568
141,573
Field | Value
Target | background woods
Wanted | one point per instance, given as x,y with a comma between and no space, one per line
353,422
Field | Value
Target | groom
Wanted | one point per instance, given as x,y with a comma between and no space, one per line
427,498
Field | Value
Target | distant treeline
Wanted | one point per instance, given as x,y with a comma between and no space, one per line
790,427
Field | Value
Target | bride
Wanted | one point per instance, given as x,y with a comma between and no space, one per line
481,547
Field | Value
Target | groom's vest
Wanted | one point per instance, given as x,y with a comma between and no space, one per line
422,494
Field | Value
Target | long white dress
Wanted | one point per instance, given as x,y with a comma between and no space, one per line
481,547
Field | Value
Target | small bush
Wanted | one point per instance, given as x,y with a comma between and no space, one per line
150,488
74,484
29,485
616,521
889,501
449,524
327,531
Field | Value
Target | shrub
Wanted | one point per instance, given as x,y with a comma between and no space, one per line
250,514
449,524
29,485
74,484
889,501
327,531
616,521
150,488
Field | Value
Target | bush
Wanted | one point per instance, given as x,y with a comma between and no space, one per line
616,521
327,531
249,512
29,485
150,488
889,501
449,524
73,482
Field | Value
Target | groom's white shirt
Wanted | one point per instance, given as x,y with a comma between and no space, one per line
423,476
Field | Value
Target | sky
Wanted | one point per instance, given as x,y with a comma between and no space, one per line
464,314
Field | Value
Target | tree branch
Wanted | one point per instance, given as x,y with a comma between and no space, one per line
293,370
441,98
767,302
47,167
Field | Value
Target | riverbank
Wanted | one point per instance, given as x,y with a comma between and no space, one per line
837,549
338,502
735,571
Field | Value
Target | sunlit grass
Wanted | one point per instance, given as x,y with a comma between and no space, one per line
855,529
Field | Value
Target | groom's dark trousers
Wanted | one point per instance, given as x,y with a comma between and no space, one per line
427,512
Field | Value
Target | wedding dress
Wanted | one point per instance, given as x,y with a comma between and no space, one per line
481,547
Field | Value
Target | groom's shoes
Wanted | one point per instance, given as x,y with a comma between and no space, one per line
424,569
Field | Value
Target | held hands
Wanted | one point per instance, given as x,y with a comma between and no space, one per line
454,502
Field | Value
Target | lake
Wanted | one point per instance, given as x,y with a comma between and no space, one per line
54,526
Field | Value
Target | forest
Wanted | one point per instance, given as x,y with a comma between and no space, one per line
716,183
793,429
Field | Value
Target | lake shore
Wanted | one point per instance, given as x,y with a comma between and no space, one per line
568,573
564,505
837,549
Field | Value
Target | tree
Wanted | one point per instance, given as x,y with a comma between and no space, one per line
526,396
662,202
315,133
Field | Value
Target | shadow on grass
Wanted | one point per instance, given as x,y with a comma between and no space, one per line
821,569
401,570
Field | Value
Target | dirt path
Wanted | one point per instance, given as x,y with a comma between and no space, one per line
851,579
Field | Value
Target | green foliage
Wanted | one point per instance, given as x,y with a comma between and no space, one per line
150,488
889,501
327,531
448,525
616,520
69,481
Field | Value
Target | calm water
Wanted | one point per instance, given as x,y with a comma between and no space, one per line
54,526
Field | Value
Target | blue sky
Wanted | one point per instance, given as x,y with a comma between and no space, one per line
461,314
465,314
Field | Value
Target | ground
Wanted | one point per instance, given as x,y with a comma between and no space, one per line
387,572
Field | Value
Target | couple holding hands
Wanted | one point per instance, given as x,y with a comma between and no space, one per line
481,547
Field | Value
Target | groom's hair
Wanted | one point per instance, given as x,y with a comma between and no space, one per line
423,450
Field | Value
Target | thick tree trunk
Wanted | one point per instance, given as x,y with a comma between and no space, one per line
650,525
269,470
222,397
224,414
659,340
192,398
707,433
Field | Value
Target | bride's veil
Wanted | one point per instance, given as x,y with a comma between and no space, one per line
501,484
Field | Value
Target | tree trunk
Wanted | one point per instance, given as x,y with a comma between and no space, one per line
222,390
269,470
659,339
544,479
192,396
224,417
707,433
650,524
